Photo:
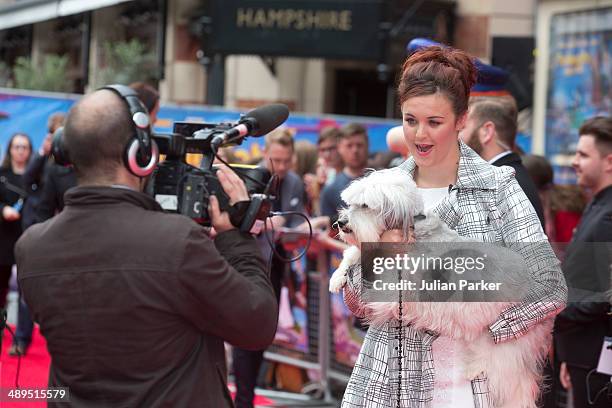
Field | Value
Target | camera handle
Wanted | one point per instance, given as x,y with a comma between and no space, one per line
259,208
244,214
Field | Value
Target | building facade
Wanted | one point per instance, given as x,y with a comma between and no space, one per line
181,49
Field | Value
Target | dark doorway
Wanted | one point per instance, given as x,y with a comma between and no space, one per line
515,54
359,93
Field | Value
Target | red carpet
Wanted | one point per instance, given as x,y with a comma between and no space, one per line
34,371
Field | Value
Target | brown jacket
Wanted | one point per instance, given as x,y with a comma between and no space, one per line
135,304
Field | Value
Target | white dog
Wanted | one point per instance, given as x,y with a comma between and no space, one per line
389,199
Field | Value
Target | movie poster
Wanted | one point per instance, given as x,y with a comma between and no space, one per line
580,80
292,329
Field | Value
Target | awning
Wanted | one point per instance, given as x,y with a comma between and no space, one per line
33,11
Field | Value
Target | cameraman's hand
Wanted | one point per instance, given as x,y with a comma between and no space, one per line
236,191
220,220
232,185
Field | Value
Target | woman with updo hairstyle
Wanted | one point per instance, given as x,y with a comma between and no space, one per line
402,366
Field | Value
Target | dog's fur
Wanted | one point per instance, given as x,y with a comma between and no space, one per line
389,199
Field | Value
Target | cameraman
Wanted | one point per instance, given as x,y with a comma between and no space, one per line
135,304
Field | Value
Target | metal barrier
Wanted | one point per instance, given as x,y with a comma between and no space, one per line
320,334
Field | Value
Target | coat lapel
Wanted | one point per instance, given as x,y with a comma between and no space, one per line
473,174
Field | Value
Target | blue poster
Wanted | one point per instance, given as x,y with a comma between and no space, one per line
28,114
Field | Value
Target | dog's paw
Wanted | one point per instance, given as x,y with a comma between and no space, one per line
337,281
474,360
473,370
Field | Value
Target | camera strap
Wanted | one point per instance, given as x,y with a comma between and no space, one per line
237,212
243,214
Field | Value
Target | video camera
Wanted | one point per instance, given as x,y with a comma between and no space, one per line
180,187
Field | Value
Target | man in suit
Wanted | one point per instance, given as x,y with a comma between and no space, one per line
580,329
490,131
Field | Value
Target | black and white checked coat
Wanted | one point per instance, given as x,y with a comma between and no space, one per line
486,204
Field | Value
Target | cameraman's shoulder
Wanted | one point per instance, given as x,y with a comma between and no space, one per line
26,238
33,235
179,224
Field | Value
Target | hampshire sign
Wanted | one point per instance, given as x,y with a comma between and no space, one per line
303,28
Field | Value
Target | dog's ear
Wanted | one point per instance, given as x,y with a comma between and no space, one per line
402,201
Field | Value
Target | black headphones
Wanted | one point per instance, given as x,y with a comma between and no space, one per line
58,149
141,152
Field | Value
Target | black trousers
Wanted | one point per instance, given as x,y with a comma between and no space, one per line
247,363
596,383
5,277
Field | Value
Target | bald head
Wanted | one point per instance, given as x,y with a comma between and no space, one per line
97,130
396,141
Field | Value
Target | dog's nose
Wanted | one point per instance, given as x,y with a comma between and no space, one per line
342,225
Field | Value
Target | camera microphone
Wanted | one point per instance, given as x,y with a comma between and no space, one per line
257,122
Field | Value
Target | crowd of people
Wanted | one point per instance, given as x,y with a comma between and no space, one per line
168,310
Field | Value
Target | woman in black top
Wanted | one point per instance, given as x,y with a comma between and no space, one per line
11,198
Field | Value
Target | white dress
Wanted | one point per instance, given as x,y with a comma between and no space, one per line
451,390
